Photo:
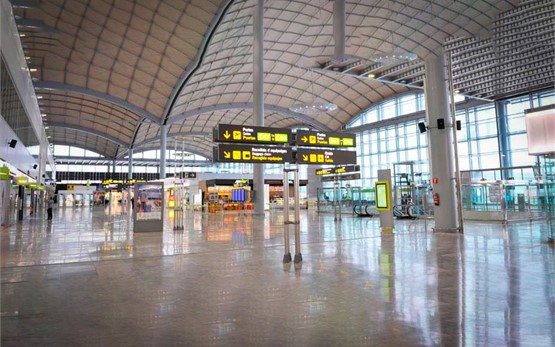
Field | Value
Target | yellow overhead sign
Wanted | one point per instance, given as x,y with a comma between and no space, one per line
21,181
325,139
325,156
251,134
253,154
4,173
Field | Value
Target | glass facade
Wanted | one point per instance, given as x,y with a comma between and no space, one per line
12,110
478,140
379,147
516,132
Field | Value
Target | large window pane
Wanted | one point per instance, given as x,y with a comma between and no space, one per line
521,158
61,150
76,152
407,104
371,116
488,145
388,110
489,161
518,142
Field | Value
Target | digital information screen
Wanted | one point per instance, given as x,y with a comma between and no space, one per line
382,196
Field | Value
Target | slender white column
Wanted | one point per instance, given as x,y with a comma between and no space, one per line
163,133
258,95
440,142
130,169
339,19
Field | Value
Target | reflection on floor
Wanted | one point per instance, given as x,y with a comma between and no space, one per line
86,280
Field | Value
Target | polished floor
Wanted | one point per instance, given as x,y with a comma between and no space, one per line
86,279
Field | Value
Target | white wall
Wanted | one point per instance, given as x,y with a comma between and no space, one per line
18,156
12,52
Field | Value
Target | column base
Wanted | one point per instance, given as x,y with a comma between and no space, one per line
298,258
446,230
287,258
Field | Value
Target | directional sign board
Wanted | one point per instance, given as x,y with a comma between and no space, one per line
338,170
4,174
349,177
323,156
21,181
245,134
253,154
325,139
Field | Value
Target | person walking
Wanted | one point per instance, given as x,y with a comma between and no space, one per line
49,206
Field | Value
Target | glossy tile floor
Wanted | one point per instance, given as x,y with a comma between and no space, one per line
86,280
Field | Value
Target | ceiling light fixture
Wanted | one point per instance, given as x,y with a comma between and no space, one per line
313,107
39,96
392,53
33,69
393,57
371,75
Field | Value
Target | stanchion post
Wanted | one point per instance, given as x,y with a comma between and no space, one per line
339,199
287,254
334,199
298,255
296,188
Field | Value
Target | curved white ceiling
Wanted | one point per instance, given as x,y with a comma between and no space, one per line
121,68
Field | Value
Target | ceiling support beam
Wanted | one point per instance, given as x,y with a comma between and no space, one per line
64,87
249,105
91,131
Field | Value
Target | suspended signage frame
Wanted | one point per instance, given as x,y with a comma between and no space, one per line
348,177
338,170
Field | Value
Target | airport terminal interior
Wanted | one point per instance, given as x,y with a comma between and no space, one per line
277,172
